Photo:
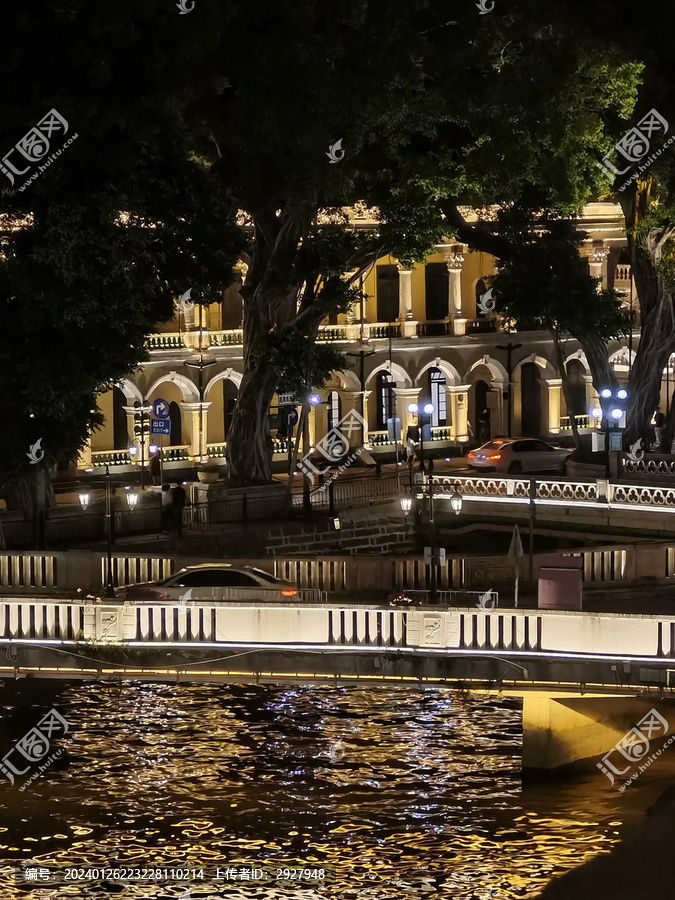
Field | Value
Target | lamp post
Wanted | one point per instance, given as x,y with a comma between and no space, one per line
84,503
427,410
201,363
509,370
141,428
613,402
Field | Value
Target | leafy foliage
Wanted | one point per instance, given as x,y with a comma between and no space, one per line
546,283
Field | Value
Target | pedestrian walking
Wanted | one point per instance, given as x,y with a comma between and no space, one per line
659,429
484,426
178,502
167,509
411,439
155,469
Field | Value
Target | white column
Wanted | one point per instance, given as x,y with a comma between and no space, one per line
404,396
351,315
459,399
454,260
597,263
197,436
554,385
352,400
405,303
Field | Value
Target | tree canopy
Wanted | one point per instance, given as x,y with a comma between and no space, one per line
184,120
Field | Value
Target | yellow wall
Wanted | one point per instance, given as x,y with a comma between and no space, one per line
103,438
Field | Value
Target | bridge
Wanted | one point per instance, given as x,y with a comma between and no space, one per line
578,672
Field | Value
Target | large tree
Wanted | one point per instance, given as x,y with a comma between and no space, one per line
435,110
94,250
545,283
442,109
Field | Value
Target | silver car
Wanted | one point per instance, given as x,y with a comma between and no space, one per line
519,455
212,582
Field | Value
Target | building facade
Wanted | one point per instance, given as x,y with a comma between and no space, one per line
418,335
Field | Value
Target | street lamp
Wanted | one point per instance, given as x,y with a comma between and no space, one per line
427,410
132,497
613,403
84,503
456,501
406,505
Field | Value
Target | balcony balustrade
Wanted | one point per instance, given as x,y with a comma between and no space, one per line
434,329
582,422
483,326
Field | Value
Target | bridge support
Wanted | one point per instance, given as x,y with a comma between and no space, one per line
560,730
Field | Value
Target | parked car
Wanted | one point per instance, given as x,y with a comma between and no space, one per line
518,455
212,582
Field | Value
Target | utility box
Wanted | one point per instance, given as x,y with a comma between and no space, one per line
559,588
597,441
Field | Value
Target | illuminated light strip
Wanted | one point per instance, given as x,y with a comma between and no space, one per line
412,650
562,501
590,688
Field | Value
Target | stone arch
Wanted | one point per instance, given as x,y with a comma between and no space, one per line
451,374
579,356
487,378
399,374
619,359
495,368
131,391
547,370
188,387
229,374
221,394
531,396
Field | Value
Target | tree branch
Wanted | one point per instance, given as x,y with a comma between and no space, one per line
475,238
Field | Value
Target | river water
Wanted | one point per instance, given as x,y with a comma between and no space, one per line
421,797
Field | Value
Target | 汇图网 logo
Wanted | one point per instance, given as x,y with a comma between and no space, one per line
634,146
634,745
335,152
486,303
184,304
34,745
34,146
36,454
636,453
487,600
334,445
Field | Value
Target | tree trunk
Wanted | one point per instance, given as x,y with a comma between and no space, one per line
249,445
657,322
598,362
565,386
669,431
270,301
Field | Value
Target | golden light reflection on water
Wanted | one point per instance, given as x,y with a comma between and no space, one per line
426,801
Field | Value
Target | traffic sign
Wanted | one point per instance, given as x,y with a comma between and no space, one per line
160,410
290,416
160,426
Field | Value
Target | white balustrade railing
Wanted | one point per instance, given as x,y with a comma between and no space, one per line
271,626
571,493
650,466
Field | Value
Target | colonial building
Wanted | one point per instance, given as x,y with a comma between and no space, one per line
419,334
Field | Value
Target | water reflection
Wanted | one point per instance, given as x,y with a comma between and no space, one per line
425,801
